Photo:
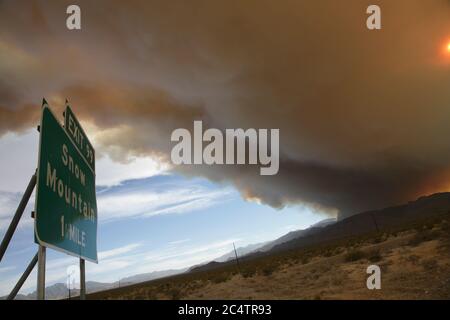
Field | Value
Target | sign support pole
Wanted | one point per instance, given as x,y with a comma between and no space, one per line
41,274
15,221
23,278
82,280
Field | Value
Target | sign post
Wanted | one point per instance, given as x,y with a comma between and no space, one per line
66,205
41,273
82,280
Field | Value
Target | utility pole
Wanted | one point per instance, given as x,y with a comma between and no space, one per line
375,222
68,284
237,259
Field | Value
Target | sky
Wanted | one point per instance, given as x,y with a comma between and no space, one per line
363,115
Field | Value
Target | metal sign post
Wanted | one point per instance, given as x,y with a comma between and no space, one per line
82,280
15,221
41,273
23,278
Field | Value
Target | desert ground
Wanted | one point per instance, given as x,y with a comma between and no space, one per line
414,262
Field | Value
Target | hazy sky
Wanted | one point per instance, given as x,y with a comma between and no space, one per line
363,115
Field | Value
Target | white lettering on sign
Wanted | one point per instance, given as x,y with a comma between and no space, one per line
58,186
78,136
75,235
73,168
75,131
53,182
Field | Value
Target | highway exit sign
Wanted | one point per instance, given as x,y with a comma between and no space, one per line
66,205
76,133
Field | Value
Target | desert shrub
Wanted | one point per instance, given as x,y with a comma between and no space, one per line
248,272
445,228
150,295
354,243
325,268
175,294
418,227
414,259
429,225
221,277
267,270
354,255
337,281
430,264
305,259
423,236
139,294
328,253
315,276
384,267
374,255
379,238
290,262
394,234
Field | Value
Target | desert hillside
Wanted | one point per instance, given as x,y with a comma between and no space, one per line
414,262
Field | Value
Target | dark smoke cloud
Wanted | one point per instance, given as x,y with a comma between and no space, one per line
363,115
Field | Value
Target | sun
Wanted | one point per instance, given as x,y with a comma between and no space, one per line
446,51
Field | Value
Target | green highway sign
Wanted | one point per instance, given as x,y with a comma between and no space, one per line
66,205
76,132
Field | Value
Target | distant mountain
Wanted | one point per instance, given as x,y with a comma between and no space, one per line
241,251
324,223
297,234
150,276
207,266
265,246
60,290
18,297
362,223
371,221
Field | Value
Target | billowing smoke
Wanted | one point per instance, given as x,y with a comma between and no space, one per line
363,115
